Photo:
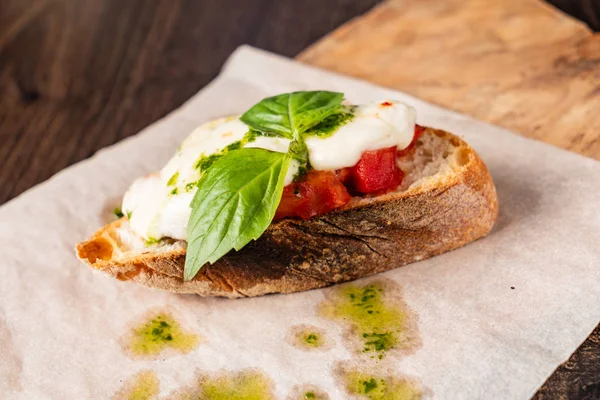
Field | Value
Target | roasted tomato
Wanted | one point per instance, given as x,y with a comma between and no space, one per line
319,192
316,193
418,132
375,172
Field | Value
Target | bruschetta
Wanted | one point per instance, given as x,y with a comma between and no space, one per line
300,192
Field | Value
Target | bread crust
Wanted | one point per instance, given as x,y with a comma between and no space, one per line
369,235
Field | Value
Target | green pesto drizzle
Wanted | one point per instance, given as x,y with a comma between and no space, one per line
330,125
190,186
173,180
315,395
371,387
151,241
307,392
312,339
205,162
308,337
159,333
243,385
380,325
118,212
302,170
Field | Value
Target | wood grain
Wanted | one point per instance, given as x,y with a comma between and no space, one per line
515,63
579,377
76,76
585,10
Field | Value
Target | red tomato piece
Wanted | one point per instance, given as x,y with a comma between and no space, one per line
418,132
316,193
375,172
319,192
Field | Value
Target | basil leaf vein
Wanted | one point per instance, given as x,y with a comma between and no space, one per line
235,202
291,114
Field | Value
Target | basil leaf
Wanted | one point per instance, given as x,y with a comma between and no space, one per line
290,114
235,203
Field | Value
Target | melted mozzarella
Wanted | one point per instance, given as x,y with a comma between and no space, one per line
374,126
158,204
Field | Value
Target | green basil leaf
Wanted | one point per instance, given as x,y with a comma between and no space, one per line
290,114
235,203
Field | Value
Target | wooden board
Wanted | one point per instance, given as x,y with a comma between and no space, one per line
77,76
520,64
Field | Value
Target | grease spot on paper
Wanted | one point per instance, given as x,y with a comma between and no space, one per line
375,315
370,386
158,334
143,386
11,367
247,384
308,337
307,392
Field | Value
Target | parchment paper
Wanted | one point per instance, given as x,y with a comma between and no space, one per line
62,324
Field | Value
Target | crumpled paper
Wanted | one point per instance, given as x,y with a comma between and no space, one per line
491,320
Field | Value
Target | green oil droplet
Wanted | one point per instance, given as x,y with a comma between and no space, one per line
244,385
379,324
159,333
311,339
372,387
307,337
307,392
143,386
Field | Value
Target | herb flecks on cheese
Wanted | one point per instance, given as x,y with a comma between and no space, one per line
313,129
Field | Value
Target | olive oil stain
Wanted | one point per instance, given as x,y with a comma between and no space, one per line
247,384
308,337
370,386
307,392
160,334
142,386
376,318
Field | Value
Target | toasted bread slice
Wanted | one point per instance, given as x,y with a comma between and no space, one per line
446,200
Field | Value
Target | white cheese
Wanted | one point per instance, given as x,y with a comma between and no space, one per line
374,126
158,204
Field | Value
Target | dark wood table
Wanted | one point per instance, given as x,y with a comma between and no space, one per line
76,76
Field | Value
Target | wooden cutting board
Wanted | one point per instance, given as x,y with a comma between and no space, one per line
520,64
